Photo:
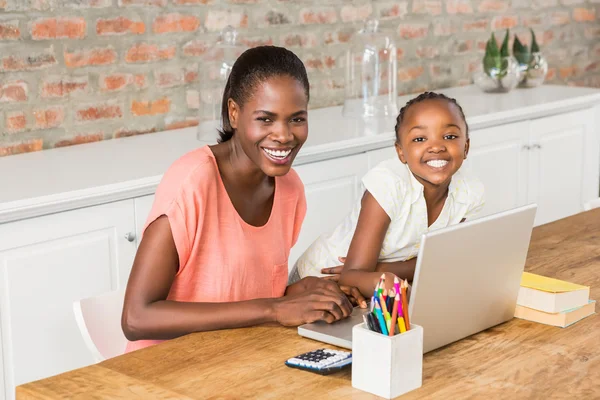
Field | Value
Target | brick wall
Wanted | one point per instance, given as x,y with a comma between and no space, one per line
76,71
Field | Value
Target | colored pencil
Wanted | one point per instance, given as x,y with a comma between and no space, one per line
401,325
405,304
396,285
380,319
382,304
394,315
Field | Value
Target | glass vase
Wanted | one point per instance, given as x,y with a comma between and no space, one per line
536,71
500,79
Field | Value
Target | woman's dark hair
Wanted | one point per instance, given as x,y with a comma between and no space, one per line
253,67
423,97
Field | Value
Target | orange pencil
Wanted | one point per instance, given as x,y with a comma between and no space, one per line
383,305
394,315
405,304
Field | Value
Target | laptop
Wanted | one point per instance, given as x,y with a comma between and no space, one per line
467,279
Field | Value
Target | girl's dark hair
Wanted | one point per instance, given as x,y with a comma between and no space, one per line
423,97
253,67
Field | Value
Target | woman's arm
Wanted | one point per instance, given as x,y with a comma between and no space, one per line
360,268
148,315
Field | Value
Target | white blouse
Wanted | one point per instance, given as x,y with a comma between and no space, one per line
400,195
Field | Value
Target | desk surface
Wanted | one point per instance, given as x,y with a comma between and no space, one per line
518,359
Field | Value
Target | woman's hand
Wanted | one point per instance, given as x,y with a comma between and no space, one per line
320,303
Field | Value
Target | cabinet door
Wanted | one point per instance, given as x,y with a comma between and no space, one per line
331,187
498,157
558,160
46,263
143,205
379,155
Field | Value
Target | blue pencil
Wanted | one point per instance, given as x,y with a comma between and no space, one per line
380,318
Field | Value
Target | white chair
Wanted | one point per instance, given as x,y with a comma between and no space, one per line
592,204
99,320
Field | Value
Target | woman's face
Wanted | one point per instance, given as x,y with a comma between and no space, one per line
272,125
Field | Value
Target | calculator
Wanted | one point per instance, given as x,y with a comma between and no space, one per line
321,361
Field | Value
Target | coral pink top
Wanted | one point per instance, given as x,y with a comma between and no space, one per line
221,257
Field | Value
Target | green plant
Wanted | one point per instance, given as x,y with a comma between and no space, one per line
493,63
521,52
534,46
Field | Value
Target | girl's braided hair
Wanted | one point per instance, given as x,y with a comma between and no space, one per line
423,97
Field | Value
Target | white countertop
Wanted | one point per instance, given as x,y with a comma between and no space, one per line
54,180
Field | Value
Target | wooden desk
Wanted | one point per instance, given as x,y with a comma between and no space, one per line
517,359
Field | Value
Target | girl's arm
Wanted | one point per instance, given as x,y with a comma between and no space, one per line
148,315
360,268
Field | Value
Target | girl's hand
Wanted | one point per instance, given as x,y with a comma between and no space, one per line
335,271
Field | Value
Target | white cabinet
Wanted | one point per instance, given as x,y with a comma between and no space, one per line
45,264
143,205
331,188
559,173
379,155
499,158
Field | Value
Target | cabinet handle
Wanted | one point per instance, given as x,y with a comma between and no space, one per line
537,146
130,236
526,147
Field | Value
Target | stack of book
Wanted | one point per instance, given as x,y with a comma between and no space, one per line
552,301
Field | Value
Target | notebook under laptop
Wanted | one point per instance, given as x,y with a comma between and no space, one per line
466,280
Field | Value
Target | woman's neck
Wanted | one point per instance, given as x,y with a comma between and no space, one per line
236,167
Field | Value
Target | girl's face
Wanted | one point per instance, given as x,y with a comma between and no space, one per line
433,141
272,125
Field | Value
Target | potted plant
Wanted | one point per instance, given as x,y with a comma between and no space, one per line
501,71
532,64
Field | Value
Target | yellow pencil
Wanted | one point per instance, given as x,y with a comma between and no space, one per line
401,325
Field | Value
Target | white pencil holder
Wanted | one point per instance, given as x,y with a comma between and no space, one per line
387,366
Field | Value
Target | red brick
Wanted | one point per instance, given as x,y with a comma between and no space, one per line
49,118
567,72
319,63
504,22
99,112
13,92
274,18
444,28
119,81
90,57
551,74
413,31
532,21
427,51
493,6
88,4
190,74
142,3
192,98
21,147
169,77
584,14
304,40
31,62
356,13
592,32
429,7
459,7
9,30
175,23
216,20
187,123
480,25
145,52
560,18
196,48
2,4
80,139
62,87
58,28
188,2
593,66
123,133
408,74
119,26
393,10
257,41
16,121
337,37
464,46
140,108
325,15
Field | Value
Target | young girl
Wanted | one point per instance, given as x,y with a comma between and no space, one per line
216,243
421,190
